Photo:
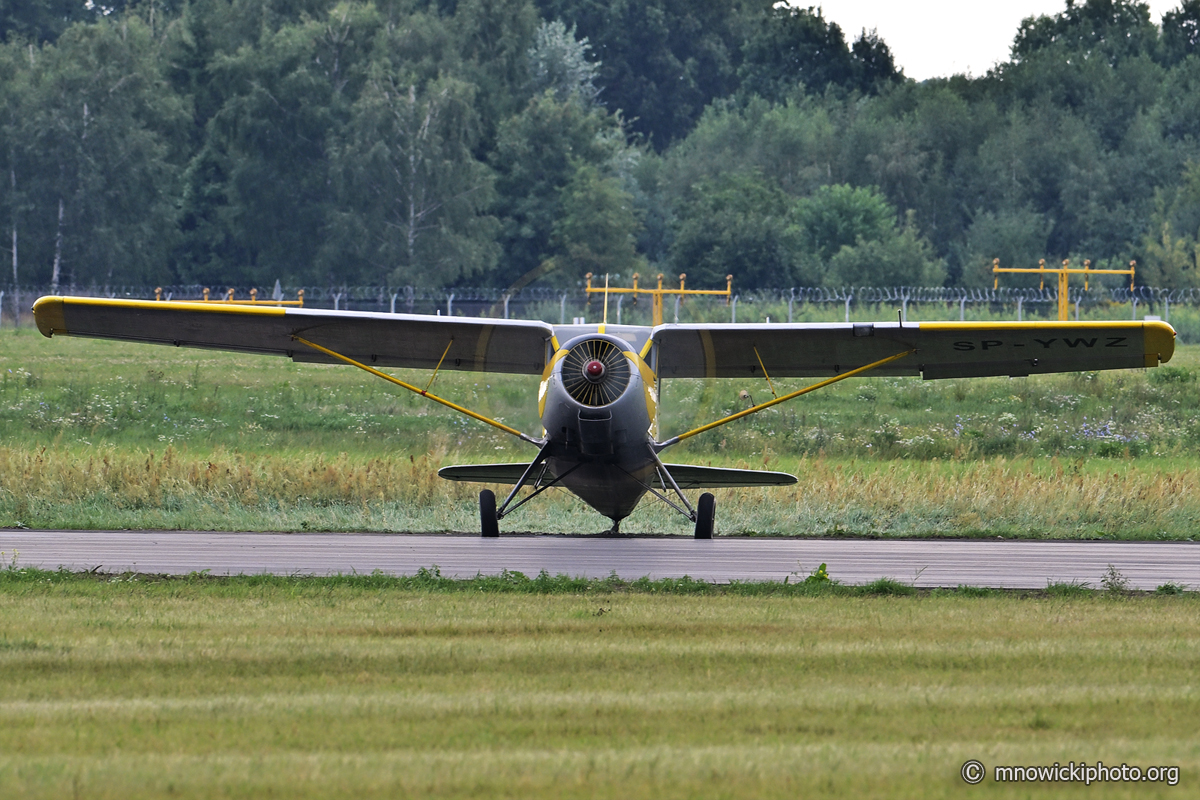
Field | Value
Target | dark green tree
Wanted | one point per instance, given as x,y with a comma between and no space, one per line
1105,29
1017,237
538,154
795,47
735,224
40,21
903,258
662,61
99,180
597,228
840,215
1170,248
259,191
1181,32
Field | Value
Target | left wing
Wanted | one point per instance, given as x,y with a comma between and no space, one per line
941,349
379,340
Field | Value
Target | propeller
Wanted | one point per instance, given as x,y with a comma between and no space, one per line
595,372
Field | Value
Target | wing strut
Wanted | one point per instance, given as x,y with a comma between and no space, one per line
423,392
765,375
538,486
659,446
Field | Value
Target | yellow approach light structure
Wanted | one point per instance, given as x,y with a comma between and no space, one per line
1063,273
599,385
656,316
228,298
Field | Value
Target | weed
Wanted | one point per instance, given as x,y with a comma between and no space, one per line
1113,581
886,586
1071,589
975,591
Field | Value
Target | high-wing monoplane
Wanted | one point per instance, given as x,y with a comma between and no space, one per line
600,384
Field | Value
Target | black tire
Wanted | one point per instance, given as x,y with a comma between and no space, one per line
489,525
706,516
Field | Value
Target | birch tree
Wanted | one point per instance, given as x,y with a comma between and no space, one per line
100,174
409,178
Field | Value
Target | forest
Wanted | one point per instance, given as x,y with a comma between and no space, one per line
514,143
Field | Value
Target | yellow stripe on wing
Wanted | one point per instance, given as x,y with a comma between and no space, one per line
51,312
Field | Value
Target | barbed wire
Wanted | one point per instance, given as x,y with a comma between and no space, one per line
424,299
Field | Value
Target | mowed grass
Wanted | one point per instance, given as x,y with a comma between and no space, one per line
100,434
127,687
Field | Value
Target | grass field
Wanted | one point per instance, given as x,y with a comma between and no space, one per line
369,687
104,434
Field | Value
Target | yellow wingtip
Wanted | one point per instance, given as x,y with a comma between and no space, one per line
1159,343
48,313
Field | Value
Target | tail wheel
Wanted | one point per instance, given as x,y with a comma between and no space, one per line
488,523
706,516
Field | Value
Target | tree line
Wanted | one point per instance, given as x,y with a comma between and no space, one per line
512,143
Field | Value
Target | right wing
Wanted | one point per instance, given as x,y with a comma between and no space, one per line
940,349
375,339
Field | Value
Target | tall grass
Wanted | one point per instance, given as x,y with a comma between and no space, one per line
55,487
103,434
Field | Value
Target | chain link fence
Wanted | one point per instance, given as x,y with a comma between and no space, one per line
566,305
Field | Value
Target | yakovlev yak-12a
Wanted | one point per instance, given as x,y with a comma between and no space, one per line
600,383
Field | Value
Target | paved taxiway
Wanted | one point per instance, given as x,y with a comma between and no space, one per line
1009,564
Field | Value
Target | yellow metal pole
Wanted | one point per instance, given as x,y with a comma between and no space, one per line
605,321
657,316
1062,295
765,375
433,377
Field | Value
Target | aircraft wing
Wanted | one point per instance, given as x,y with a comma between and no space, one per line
686,475
942,349
375,339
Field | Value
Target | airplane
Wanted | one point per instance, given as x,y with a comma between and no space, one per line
598,398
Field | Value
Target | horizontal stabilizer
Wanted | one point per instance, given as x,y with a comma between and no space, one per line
687,476
485,473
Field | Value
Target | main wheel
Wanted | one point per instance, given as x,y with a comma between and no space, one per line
489,525
706,516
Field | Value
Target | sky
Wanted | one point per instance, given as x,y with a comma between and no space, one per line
938,38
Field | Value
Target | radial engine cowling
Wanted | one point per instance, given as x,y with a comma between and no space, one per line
595,372
594,398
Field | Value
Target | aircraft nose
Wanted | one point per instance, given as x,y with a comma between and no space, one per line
594,370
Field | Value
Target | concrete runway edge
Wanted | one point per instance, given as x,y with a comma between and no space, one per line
923,563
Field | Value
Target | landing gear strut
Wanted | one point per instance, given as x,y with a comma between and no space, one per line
489,523
706,516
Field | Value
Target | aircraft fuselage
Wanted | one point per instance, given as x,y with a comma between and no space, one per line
598,402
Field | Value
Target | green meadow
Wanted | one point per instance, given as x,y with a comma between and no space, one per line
368,686
127,686
98,434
